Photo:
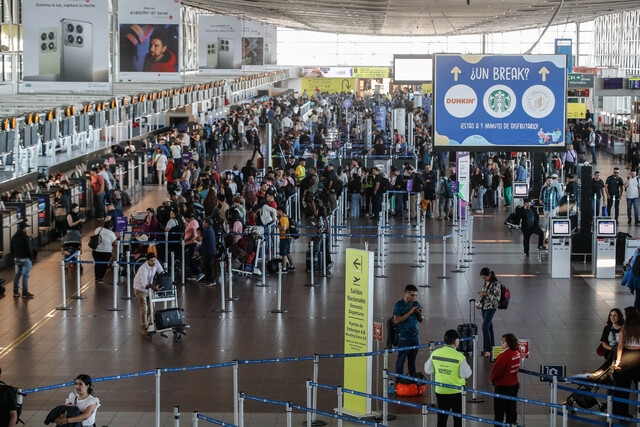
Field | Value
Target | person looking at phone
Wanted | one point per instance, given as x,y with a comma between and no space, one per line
160,59
142,282
406,314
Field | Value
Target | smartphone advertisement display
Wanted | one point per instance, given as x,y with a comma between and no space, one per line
220,41
270,45
253,43
62,49
149,39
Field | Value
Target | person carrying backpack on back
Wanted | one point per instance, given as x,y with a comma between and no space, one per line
285,241
445,195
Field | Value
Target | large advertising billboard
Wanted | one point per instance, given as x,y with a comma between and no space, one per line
254,35
219,43
271,45
149,38
516,101
64,45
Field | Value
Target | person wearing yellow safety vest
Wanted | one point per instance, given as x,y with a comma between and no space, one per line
450,367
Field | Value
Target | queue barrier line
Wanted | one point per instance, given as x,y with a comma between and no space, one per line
214,421
602,414
588,420
411,404
579,382
73,255
227,364
313,411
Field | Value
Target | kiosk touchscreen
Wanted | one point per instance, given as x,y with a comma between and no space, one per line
560,248
605,248
520,189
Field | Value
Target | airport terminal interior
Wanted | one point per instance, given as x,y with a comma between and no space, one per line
454,116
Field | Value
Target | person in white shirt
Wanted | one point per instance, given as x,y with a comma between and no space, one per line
102,252
161,165
631,188
176,150
287,123
142,282
85,401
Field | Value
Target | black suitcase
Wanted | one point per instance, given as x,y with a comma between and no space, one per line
164,281
468,330
169,318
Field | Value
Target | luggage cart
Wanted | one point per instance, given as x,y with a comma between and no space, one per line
168,294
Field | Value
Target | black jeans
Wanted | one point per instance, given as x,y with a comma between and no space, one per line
502,407
100,269
527,236
610,204
449,402
209,267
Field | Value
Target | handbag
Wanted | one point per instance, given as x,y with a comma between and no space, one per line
60,213
600,350
479,303
95,240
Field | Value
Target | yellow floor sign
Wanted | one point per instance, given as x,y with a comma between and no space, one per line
358,329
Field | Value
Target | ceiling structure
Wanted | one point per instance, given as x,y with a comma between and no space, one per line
415,17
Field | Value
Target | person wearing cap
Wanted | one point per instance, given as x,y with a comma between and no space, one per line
529,224
556,184
22,253
450,367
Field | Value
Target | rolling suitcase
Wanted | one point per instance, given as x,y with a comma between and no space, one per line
468,330
169,318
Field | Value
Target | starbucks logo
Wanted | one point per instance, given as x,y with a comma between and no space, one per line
499,101
538,101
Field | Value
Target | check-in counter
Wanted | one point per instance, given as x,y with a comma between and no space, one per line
9,220
79,191
26,209
45,200
127,165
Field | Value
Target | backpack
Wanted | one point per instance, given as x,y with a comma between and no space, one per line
392,333
6,388
95,240
337,186
418,183
486,180
385,184
293,230
233,215
445,189
505,296
406,387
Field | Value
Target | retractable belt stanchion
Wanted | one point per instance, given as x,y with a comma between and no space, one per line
173,267
230,279
64,305
444,259
223,302
426,268
194,419
263,282
457,248
116,273
176,416
128,297
158,373
279,309
474,396
241,409
313,266
78,294
184,264
236,410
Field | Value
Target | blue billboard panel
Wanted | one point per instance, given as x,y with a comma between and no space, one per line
485,101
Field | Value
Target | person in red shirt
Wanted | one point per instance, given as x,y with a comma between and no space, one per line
169,171
504,376
98,187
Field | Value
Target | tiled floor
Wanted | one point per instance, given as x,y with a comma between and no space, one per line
563,320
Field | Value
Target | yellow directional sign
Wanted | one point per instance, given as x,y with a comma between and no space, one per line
576,110
358,329
543,71
327,84
455,73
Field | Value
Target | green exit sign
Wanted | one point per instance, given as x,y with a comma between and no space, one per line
575,77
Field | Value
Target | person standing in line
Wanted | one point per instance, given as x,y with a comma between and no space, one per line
613,189
85,401
504,376
190,242
98,186
142,282
631,187
570,159
8,405
285,240
160,161
22,253
209,252
451,368
406,314
102,253
490,297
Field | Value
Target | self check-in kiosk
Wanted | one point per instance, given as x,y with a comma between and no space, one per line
604,248
560,248
520,191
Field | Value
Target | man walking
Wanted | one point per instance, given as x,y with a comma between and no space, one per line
598,193
529,226
450,367
22,254
631,187
406,314
549,199
592,143
613,189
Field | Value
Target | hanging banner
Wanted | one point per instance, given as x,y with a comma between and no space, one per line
219,43
463,163
271,45
358,329
149,38
320,72
254,34
328,85
506,101
64,49
576,110
381,117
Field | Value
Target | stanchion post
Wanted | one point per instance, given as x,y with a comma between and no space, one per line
340,395
173,267
289,410
313,266
316,367
444,259
223,302
176,416
309,403
279,309
64,288
425,412
554,399
230,280
158,373
263,279
426,267
324,255
78,294
194,418
565,416
236,409
184,263
474,395
432,347
115,282
385,394
166,247
464,406
241,409
128,268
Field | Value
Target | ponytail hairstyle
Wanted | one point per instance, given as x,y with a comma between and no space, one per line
86,379
486,271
